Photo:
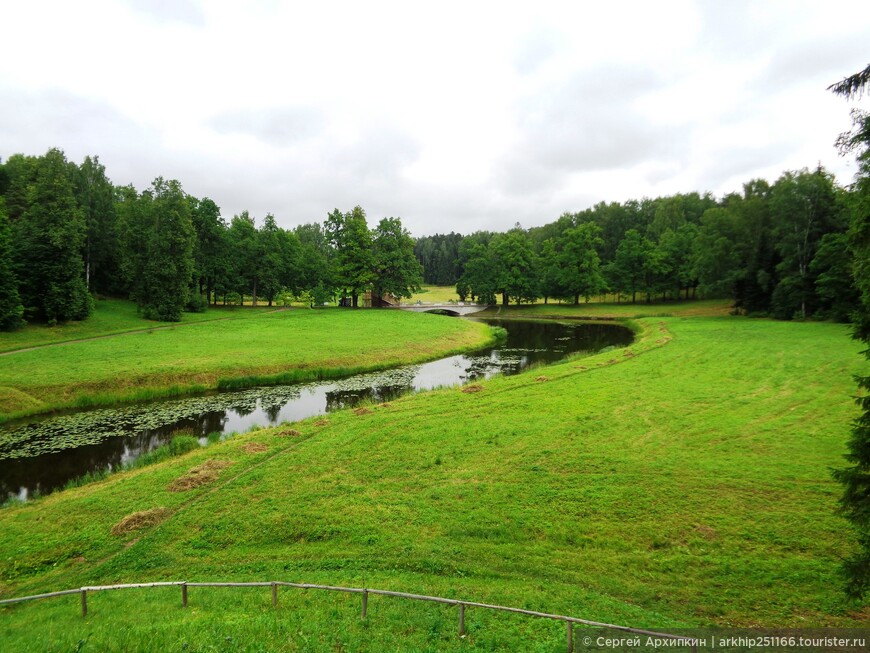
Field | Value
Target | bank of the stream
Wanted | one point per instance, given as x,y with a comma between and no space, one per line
40,455
681,481
263,347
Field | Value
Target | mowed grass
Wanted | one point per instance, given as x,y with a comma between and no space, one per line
110,316
682,481
300,342
434,295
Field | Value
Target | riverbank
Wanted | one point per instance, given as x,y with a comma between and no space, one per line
257,347
681,481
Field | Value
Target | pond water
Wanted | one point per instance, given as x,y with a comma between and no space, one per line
44,454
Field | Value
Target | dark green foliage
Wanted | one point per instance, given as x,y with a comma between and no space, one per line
479,280
196,303
397,271
439,256
49,237
626,273
516,266
677,264
855,502
579,267
853,85
158,239
313,264
11,310
245,256
96,198
803,209
352,266
211,255
835,291
20,173
280,255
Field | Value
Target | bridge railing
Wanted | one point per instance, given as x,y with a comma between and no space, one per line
570,622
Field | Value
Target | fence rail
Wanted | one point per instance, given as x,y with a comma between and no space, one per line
365,592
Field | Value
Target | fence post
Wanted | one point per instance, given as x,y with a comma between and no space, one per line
274,594
570,637
84,603
184,595
365,603
461,619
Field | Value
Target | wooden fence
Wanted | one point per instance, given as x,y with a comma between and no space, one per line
274,585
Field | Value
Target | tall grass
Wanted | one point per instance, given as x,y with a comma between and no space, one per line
179,445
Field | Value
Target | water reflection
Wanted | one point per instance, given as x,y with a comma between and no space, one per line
45,454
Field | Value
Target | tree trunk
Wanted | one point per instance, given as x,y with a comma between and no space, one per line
576,299
504,299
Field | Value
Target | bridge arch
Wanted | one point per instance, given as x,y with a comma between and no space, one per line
451,309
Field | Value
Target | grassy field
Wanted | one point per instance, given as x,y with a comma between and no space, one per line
111,316
434,295
261,344
682,481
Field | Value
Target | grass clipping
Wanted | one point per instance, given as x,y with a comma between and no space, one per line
200,475
142,519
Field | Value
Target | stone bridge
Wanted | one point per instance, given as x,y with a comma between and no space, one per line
453,309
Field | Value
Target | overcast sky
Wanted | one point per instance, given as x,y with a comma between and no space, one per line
453,116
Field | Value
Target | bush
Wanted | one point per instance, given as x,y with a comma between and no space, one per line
181,444
196,304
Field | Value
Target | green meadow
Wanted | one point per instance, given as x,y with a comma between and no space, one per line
142,360
682,481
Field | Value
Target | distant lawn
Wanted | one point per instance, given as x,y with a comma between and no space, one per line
110,316
160,361
682,481
434,295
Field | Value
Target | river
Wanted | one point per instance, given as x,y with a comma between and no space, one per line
44,454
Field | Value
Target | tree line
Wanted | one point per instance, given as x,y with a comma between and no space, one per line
775,249
68,234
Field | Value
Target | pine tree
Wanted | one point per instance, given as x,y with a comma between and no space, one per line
855,502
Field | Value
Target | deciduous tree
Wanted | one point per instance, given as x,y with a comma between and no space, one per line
49,238
579,264
11,310
353,267
396,270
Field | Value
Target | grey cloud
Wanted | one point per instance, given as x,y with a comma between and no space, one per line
280,126
303,185
32,122
728,171
590,123
821,62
